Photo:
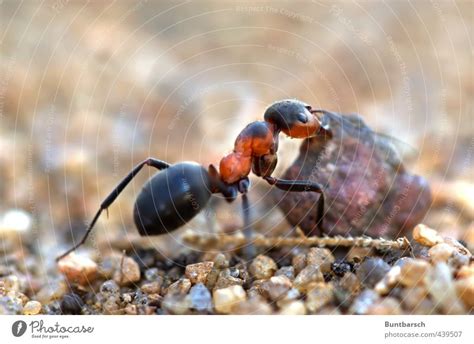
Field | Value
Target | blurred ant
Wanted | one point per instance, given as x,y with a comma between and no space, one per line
177,193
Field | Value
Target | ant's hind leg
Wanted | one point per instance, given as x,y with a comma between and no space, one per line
158,164
248,250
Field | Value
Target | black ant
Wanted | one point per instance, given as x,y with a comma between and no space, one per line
177,193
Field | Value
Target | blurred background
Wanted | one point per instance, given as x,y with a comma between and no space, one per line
87,90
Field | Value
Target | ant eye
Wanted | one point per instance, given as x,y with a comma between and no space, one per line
302,118
308,107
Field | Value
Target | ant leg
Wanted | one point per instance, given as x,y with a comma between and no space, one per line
301,186
249,249
158,164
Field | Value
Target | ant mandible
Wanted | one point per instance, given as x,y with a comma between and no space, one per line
177,193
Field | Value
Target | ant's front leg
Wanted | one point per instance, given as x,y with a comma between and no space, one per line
159,164
302,186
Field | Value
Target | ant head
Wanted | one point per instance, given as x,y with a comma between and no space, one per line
294,118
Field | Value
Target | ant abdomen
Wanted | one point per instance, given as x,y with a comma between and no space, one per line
171,198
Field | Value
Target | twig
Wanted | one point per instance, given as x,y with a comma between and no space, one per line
225,241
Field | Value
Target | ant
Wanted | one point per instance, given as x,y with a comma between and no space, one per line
177,193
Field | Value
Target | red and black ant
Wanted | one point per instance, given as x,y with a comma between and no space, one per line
177,193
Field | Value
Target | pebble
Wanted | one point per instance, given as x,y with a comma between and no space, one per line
226,280
152,274
225,299
293,308
371,271
466,271
465,291
319,297
177,304
181,286
412,298
252,306
109,288
32,308
443,292
384,286
340,267
386,306
426,236
51,291
413,272
440,252
71,304
78,269
262,267
299,262
151,287
287,271
363,302
276,287
131,309
350,283
200,298
306,279
197,273
11,304
321,257
129,271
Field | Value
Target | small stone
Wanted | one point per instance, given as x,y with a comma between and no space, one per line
78,269
386,306
177,304
252,306
440,252
308,277
227,298
371,271
299,262
413,272
426,236
319,297
412,298
197,273
287,271
181,286
152,274
151,288
340,267
200,298
291,295
262,267
221,262
350,283
276,287
465,291
32,308
384,286
71,304
225,280
51,291
363,302
466,271
321,257
293,308
443,292
109,288
129,271
131,309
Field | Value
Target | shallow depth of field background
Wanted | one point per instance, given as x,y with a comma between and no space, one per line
89,90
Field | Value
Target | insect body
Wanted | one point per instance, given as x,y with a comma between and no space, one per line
177,193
